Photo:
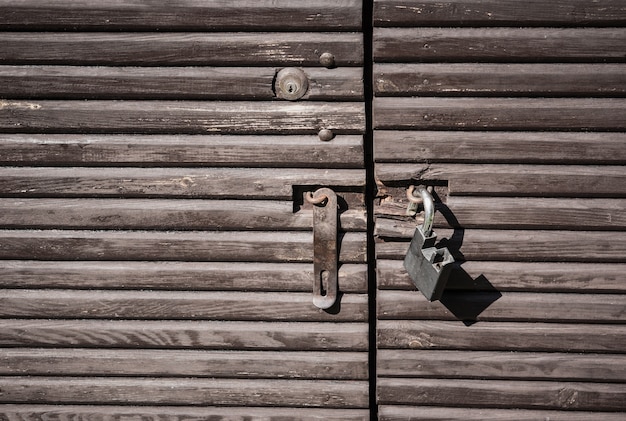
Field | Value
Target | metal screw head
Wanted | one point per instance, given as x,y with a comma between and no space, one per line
327,60
326,135
291,84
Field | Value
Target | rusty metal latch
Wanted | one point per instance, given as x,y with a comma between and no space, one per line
325,256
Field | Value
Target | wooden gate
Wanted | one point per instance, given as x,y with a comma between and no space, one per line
515,112
156,250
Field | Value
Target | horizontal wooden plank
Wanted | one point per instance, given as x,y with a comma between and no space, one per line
501,365
172,363
513,180
164,334
217,183
501,336
233,246
465,79
500,113
514,213
208,83
517,276
198,276
498,44
32,412
181,117
506,12
500,147
344,151
503,394
515,245
181,305
238,15
307,393
496,306
164,214
180,49
417,413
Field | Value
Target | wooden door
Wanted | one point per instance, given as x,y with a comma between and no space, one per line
155,249
515,112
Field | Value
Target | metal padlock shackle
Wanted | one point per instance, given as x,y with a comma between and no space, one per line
429,207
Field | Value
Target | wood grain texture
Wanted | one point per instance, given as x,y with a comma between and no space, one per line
578,181
207,83
191,276
160,214
198,335
503,394
180,117
398,45
319,393
417,413
500,113
496,306
344,151
288,247
515,245
468,79
501,365
239,15
183,305
34,412
516,213
501,336
501,13
499,147
180,49
188,363
517,276
214,183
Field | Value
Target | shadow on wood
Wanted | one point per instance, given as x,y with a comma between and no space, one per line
471,296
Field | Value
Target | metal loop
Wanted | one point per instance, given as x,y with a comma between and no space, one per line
412,198
429,211
316,200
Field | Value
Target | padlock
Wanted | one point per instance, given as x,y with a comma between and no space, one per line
428,266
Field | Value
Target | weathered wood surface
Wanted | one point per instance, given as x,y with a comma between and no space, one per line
399,45
180,49
221,15
427,413
500,13
208,183
187,363
319,393
514,245
553,79
492,306
207,83
500,113
515,213
182,305
500,147
503,394
168,334
288,247
502,365
193,276
181,117
512,180
517,276
165,214
501,336
344,151
35,412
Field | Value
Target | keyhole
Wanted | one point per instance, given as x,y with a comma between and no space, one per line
292,87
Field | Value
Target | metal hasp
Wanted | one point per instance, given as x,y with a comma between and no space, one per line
325,257
428,267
